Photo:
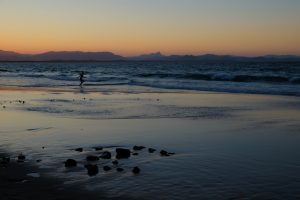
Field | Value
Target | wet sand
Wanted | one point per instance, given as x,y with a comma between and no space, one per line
16,184
227,145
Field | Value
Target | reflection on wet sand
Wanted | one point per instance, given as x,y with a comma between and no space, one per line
226,145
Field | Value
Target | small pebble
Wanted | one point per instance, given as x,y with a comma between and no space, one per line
92,170
70,163
79,149
164,153
21,157
98,148
151,150
136,170
106,168
119,169
115,162
138,148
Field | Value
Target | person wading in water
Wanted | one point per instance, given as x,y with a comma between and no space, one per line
81,78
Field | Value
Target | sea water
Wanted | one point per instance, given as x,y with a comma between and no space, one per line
243,77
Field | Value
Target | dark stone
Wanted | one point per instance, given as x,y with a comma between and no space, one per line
135,154
151,150
115,162
92,170
79,149
98,148
136,170
39,160
21,157
138,148
106,155
92,158
70,163
122,153
119,169
164,153
106,168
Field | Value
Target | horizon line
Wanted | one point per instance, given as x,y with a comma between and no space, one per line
152,53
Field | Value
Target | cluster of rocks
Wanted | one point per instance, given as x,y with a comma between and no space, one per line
91,167
6,159
10,102
20,159
121,153
22,102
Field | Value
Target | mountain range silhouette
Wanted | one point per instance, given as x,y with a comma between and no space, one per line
109,56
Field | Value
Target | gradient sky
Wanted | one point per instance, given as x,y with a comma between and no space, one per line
130,27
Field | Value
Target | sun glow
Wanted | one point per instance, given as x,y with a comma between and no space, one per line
131,27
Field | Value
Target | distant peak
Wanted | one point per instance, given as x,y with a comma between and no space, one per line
156,54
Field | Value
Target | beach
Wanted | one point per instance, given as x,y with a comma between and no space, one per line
225,145
149,100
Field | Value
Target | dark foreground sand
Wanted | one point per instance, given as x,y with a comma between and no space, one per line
16,185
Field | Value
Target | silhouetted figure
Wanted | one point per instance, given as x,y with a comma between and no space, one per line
81,78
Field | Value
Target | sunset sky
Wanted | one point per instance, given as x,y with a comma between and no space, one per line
130,27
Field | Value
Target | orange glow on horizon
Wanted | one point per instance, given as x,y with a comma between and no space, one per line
140,27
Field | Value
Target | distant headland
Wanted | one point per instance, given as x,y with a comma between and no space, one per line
109,56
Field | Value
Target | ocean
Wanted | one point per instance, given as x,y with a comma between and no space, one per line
255,78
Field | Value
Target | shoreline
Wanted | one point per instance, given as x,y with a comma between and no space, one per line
33,89
134,89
